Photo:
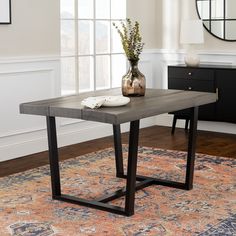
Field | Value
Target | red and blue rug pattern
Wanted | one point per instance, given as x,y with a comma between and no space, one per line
27,209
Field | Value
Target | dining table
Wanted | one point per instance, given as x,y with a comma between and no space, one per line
155,102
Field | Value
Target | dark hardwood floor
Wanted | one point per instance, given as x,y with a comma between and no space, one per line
207,142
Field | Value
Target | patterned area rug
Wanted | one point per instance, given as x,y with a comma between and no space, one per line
26,207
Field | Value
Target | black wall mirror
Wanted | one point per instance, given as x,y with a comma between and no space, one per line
219,17
5,11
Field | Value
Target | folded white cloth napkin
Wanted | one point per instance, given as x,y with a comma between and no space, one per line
93,102
107,101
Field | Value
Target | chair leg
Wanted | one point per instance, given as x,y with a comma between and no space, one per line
186,124
173,125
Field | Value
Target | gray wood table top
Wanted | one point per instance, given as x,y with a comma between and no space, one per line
155,102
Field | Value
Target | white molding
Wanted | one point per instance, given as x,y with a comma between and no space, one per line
13,72
22,59
221,127
18,134
29,68
163,51
153,64
182,51
26,59
215,53
32,138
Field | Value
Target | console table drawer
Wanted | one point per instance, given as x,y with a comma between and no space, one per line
192,85
190,73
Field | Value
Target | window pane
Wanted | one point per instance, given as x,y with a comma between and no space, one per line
68,75
103,9
67,9
118,69
115,39
85,37
85,9
118,9
102,37
86,74
67,37
102,72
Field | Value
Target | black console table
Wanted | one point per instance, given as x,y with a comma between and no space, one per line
220,79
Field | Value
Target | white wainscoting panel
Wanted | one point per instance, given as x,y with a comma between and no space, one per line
86,130
28,79
146,68
21,81
17,88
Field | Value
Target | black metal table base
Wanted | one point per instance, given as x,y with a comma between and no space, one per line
101,203
131,177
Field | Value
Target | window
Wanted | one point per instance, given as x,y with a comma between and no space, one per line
91,52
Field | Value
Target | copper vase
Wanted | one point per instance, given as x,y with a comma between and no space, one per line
133,82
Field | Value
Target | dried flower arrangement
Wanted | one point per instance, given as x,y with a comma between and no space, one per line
131,39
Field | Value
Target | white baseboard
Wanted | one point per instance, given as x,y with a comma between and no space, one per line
221,127
86,131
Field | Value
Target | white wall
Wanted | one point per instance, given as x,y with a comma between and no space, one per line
160,22
163,44
145,12
173,12
30,68
213,51
35,29
23,80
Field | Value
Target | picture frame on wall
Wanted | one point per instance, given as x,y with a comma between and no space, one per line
5,11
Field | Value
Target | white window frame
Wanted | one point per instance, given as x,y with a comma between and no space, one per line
76,55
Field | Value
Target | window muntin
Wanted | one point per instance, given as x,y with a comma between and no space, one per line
91,52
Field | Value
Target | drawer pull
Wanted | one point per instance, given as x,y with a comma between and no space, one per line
189,73
189,88
217,94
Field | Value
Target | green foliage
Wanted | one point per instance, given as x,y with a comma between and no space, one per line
130,38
